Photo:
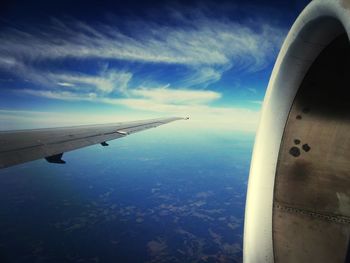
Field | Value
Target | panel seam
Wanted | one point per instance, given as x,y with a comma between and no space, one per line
317,215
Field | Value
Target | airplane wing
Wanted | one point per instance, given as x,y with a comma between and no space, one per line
27,145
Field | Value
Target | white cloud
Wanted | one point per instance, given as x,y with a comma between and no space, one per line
106,82
202,116
152,97
169,102
176,96
204,76
208,46
65,84
61,95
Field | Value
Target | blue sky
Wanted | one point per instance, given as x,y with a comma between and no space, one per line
64,63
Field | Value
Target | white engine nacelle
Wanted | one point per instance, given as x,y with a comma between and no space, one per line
298,200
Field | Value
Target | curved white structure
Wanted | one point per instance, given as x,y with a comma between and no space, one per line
317,27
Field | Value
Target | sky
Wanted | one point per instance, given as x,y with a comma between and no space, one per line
65,63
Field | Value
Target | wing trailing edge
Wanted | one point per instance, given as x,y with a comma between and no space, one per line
27,145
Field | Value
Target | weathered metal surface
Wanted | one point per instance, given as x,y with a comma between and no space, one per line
311,213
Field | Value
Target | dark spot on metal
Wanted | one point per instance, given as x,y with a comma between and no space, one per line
306,110
306,147
298,117
300,171
294,151
296,141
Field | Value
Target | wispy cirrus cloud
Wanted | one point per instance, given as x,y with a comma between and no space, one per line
103,82
149,96
201,42
176,96
203,47
207,46
106,82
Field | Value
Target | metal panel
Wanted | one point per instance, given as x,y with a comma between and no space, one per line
311,215
27,145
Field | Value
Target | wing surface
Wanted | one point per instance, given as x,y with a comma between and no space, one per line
27,145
